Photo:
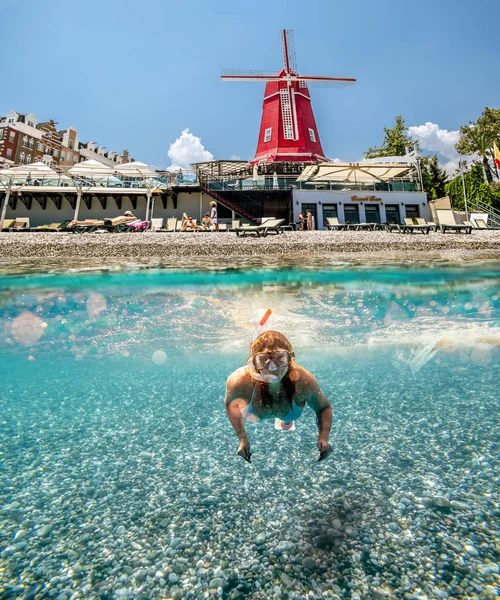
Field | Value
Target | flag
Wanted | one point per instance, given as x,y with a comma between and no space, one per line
496,152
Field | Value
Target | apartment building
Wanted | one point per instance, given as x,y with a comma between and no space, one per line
19,138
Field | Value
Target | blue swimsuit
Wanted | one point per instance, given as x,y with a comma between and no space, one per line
293,414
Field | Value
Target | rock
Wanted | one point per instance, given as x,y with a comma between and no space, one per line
216,582
260,539
471,551
460,505
173,577
120,530
309,563
325,541
285,580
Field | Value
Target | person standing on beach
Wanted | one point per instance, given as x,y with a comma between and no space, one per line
309,218
302,221
213,215
273,386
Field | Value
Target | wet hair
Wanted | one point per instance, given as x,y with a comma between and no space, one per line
270,340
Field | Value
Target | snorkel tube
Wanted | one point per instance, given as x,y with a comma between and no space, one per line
267,377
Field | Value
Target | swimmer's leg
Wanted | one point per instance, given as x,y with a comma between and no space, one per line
282,426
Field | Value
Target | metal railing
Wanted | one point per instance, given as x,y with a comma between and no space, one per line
493,213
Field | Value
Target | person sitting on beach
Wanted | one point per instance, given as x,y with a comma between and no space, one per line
189,223
206,222
273,386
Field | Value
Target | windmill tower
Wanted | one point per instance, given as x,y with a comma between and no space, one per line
288,131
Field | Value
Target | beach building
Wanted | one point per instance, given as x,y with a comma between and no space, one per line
19,138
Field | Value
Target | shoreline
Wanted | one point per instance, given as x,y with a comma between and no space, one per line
350,246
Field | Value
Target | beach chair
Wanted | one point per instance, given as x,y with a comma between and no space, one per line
235,223
7,224
410,225
481,224
362,226
223,227
333,224
170,226
50,227
178,226
432,226
269,225
446,220
156,224
21,224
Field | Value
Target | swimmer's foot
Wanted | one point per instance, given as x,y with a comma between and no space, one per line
282,426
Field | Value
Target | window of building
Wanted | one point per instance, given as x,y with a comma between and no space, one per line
10,121
372,213
1,134
312,135
351,213
25,140
28,158
267,134
56,152
31,143
47,149
392,214
329,211
31,124
8,154
22,157
70,145
40,146
12,136
412,211
49,135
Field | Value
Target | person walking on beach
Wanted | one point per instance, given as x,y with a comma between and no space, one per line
309,218
213,215
273,386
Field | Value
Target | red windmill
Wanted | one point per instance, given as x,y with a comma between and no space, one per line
288,131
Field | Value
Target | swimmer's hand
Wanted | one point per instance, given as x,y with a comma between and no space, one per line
324,448
244,450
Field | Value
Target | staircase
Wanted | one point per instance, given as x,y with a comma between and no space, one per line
244,205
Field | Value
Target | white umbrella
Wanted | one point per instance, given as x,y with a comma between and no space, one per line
37,169
136,169
91,168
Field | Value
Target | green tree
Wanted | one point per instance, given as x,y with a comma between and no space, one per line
478,137
433,177
477,190
396,140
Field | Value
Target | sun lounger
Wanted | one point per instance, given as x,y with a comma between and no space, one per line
411,225
481,224
235,223
420,221
156,224
361,226
170,226
269,225
390,227
7,224
446,219
333,224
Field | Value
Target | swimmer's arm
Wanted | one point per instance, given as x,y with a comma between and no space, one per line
234,403
317,400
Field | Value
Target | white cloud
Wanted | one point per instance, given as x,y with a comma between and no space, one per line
187,149
439,141
434,139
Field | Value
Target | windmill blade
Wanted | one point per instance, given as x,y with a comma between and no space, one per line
313,81
289,56
242,73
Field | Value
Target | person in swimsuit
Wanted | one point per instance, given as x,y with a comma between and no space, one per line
273,386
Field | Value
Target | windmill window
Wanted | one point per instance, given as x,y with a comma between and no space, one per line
312,135
268,134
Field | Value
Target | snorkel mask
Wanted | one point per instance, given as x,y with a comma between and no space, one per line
258,364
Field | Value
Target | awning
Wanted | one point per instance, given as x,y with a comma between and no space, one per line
136,169
355,172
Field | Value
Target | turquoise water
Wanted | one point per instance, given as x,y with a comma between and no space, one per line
119,473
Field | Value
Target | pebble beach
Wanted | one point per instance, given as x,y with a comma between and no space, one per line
151,245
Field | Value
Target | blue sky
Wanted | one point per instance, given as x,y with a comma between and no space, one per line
136,74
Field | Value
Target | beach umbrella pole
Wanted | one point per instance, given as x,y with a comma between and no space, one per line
78,200
4,206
